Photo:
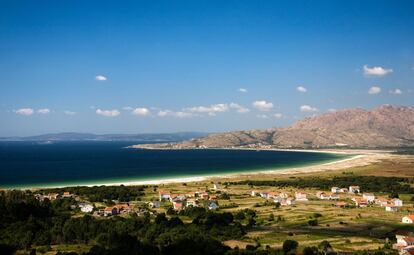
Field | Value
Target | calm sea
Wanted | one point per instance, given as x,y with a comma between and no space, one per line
30,164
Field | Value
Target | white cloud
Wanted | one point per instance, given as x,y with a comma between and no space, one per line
301,89
396,92
262,116
43,111
243,90
69,113
278,115
376,71
168,113
127,108
101,78
332,110
239,108
308,108
262,105
108,113
210,110
141,112
25,111
374,90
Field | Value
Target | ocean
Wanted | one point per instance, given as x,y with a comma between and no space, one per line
33,164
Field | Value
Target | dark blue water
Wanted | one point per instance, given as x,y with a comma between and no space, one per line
29,164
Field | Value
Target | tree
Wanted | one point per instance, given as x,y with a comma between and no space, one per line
313,222
289,246
324,245
310,251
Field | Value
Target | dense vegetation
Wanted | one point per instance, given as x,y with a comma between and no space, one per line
367,183
27,222
101,193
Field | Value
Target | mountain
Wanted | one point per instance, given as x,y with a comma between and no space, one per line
167,137
384,126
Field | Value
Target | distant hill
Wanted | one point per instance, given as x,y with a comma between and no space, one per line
384,126
167,137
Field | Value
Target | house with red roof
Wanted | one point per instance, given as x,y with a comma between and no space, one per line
409,219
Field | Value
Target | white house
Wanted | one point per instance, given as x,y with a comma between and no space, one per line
216,186
165,195
343,190
369,197
264,194
397,202
382,201
354,189
212,206
409,219
300,196
391,208
406,241
327,196
254,193
85,207
191,202
335,190
288,201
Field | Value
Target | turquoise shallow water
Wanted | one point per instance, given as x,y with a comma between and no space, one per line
30,164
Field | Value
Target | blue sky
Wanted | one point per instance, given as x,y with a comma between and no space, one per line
166,66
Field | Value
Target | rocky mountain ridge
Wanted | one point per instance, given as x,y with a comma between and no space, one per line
383,126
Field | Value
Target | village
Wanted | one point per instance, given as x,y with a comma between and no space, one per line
342,204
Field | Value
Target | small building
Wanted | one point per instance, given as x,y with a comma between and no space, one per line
284,195
327,196
382,201
272,195
52,196
341,204
86,207
165,195
369,197
212,206
360,202
278,199
67,194
288,201
354,189
204,195
301,196
123,208
397,202
154,204
178,205
343,190
254,193
109,211
335,190
406,241
264,194
409,219
391,208
192,203
217,186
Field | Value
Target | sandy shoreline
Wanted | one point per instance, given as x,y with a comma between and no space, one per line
360,158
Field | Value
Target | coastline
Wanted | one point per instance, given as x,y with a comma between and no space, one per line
356,158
